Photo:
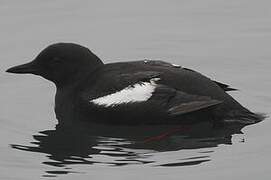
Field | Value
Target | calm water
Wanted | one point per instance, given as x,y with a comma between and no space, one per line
228,40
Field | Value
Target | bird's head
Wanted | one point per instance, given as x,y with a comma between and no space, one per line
61,63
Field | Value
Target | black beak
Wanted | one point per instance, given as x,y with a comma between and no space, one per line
28,68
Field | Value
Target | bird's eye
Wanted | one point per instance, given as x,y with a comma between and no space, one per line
57,60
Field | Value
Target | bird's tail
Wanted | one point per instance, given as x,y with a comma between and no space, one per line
245,118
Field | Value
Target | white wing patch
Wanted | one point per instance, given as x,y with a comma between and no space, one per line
134,93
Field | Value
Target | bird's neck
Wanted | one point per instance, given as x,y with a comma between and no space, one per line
78,77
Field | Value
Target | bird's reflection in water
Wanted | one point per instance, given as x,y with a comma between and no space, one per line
124,145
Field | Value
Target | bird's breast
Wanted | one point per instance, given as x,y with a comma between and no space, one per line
64,106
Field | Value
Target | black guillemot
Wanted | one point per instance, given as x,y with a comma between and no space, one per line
132,93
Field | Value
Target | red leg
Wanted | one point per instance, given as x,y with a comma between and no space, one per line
166,134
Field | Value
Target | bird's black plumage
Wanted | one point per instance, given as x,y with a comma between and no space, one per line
178,95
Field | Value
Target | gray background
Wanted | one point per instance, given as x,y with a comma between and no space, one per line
228,40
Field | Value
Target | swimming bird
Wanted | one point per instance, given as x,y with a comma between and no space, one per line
132,93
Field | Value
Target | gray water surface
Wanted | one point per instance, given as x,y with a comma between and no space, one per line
227,40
